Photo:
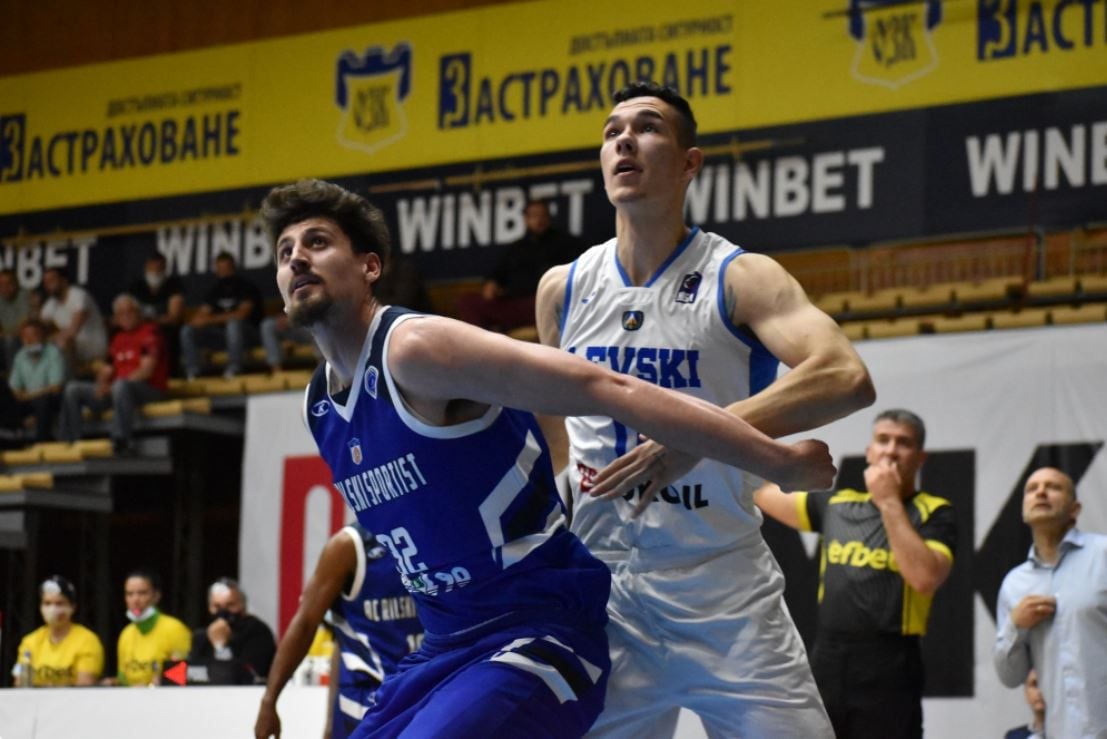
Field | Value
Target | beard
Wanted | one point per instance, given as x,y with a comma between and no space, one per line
309,311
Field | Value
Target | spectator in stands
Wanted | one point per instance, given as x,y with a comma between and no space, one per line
152,638
275,330
59,653
230,314
506,300
1035,729
161,297
138,373
81,332
15,308
236,648
36,380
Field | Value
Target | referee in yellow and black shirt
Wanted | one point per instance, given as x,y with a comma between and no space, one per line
883,554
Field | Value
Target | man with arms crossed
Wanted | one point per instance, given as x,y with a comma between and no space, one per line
884,554
685,309
1052,611
418,418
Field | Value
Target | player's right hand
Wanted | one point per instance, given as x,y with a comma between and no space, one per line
812,468
268,723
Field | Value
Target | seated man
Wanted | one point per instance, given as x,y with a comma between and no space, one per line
236,648
36,380
15,308
230,313
138,373
81,333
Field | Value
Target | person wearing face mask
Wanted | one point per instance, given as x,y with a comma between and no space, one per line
60,653
152,638
236,647
35,382
161,298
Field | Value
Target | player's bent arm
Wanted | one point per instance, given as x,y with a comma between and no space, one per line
779,505
436,360
549,305
827,379
338,559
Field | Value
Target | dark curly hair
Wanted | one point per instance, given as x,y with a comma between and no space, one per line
359,219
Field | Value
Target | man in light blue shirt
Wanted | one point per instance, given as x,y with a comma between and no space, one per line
36,380
1052,611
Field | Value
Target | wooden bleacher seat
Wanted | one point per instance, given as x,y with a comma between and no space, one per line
854,331
928,296
1027,318
220,386
93,448
28,481
1054,287
891,329
967,322
59,452
992,290
524,333
253,384
167,408
1090,313
20,457
1093,284
832,303
296,379
878,301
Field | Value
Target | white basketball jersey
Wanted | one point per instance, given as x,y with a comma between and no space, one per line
672,331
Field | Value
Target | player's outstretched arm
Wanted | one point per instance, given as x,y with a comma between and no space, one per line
435,360
338,559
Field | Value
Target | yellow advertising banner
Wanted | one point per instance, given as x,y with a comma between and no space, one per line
511,80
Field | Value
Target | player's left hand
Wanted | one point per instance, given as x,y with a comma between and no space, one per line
649,462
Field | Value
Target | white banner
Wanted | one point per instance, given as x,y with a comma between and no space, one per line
1001,394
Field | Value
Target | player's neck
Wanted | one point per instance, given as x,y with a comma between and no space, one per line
341,337
646,237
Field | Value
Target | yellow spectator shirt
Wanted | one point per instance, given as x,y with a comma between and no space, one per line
57,665
142,656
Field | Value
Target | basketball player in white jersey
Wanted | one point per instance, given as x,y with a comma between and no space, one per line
697,616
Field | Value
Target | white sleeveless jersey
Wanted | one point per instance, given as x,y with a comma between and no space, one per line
672,331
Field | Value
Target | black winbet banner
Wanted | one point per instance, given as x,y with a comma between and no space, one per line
1011,163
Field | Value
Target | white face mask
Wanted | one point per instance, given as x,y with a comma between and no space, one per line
154,279
140,616
53,613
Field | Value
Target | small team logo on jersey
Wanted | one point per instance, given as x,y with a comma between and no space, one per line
689,288
320,409
377,552
371,376
632,320
355,450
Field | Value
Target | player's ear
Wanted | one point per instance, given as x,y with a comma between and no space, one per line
693,162
372,265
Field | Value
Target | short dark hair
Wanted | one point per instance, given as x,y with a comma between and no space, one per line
361,221
148,575
226,256
60,272
686,130
907,418
59,584
156,256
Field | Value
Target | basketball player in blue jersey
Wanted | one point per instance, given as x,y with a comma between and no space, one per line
686,309
374,622
420,420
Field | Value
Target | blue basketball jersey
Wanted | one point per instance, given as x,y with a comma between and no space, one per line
469,512
375,625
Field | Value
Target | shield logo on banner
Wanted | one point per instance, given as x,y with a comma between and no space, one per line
355,450
370,91
894,40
